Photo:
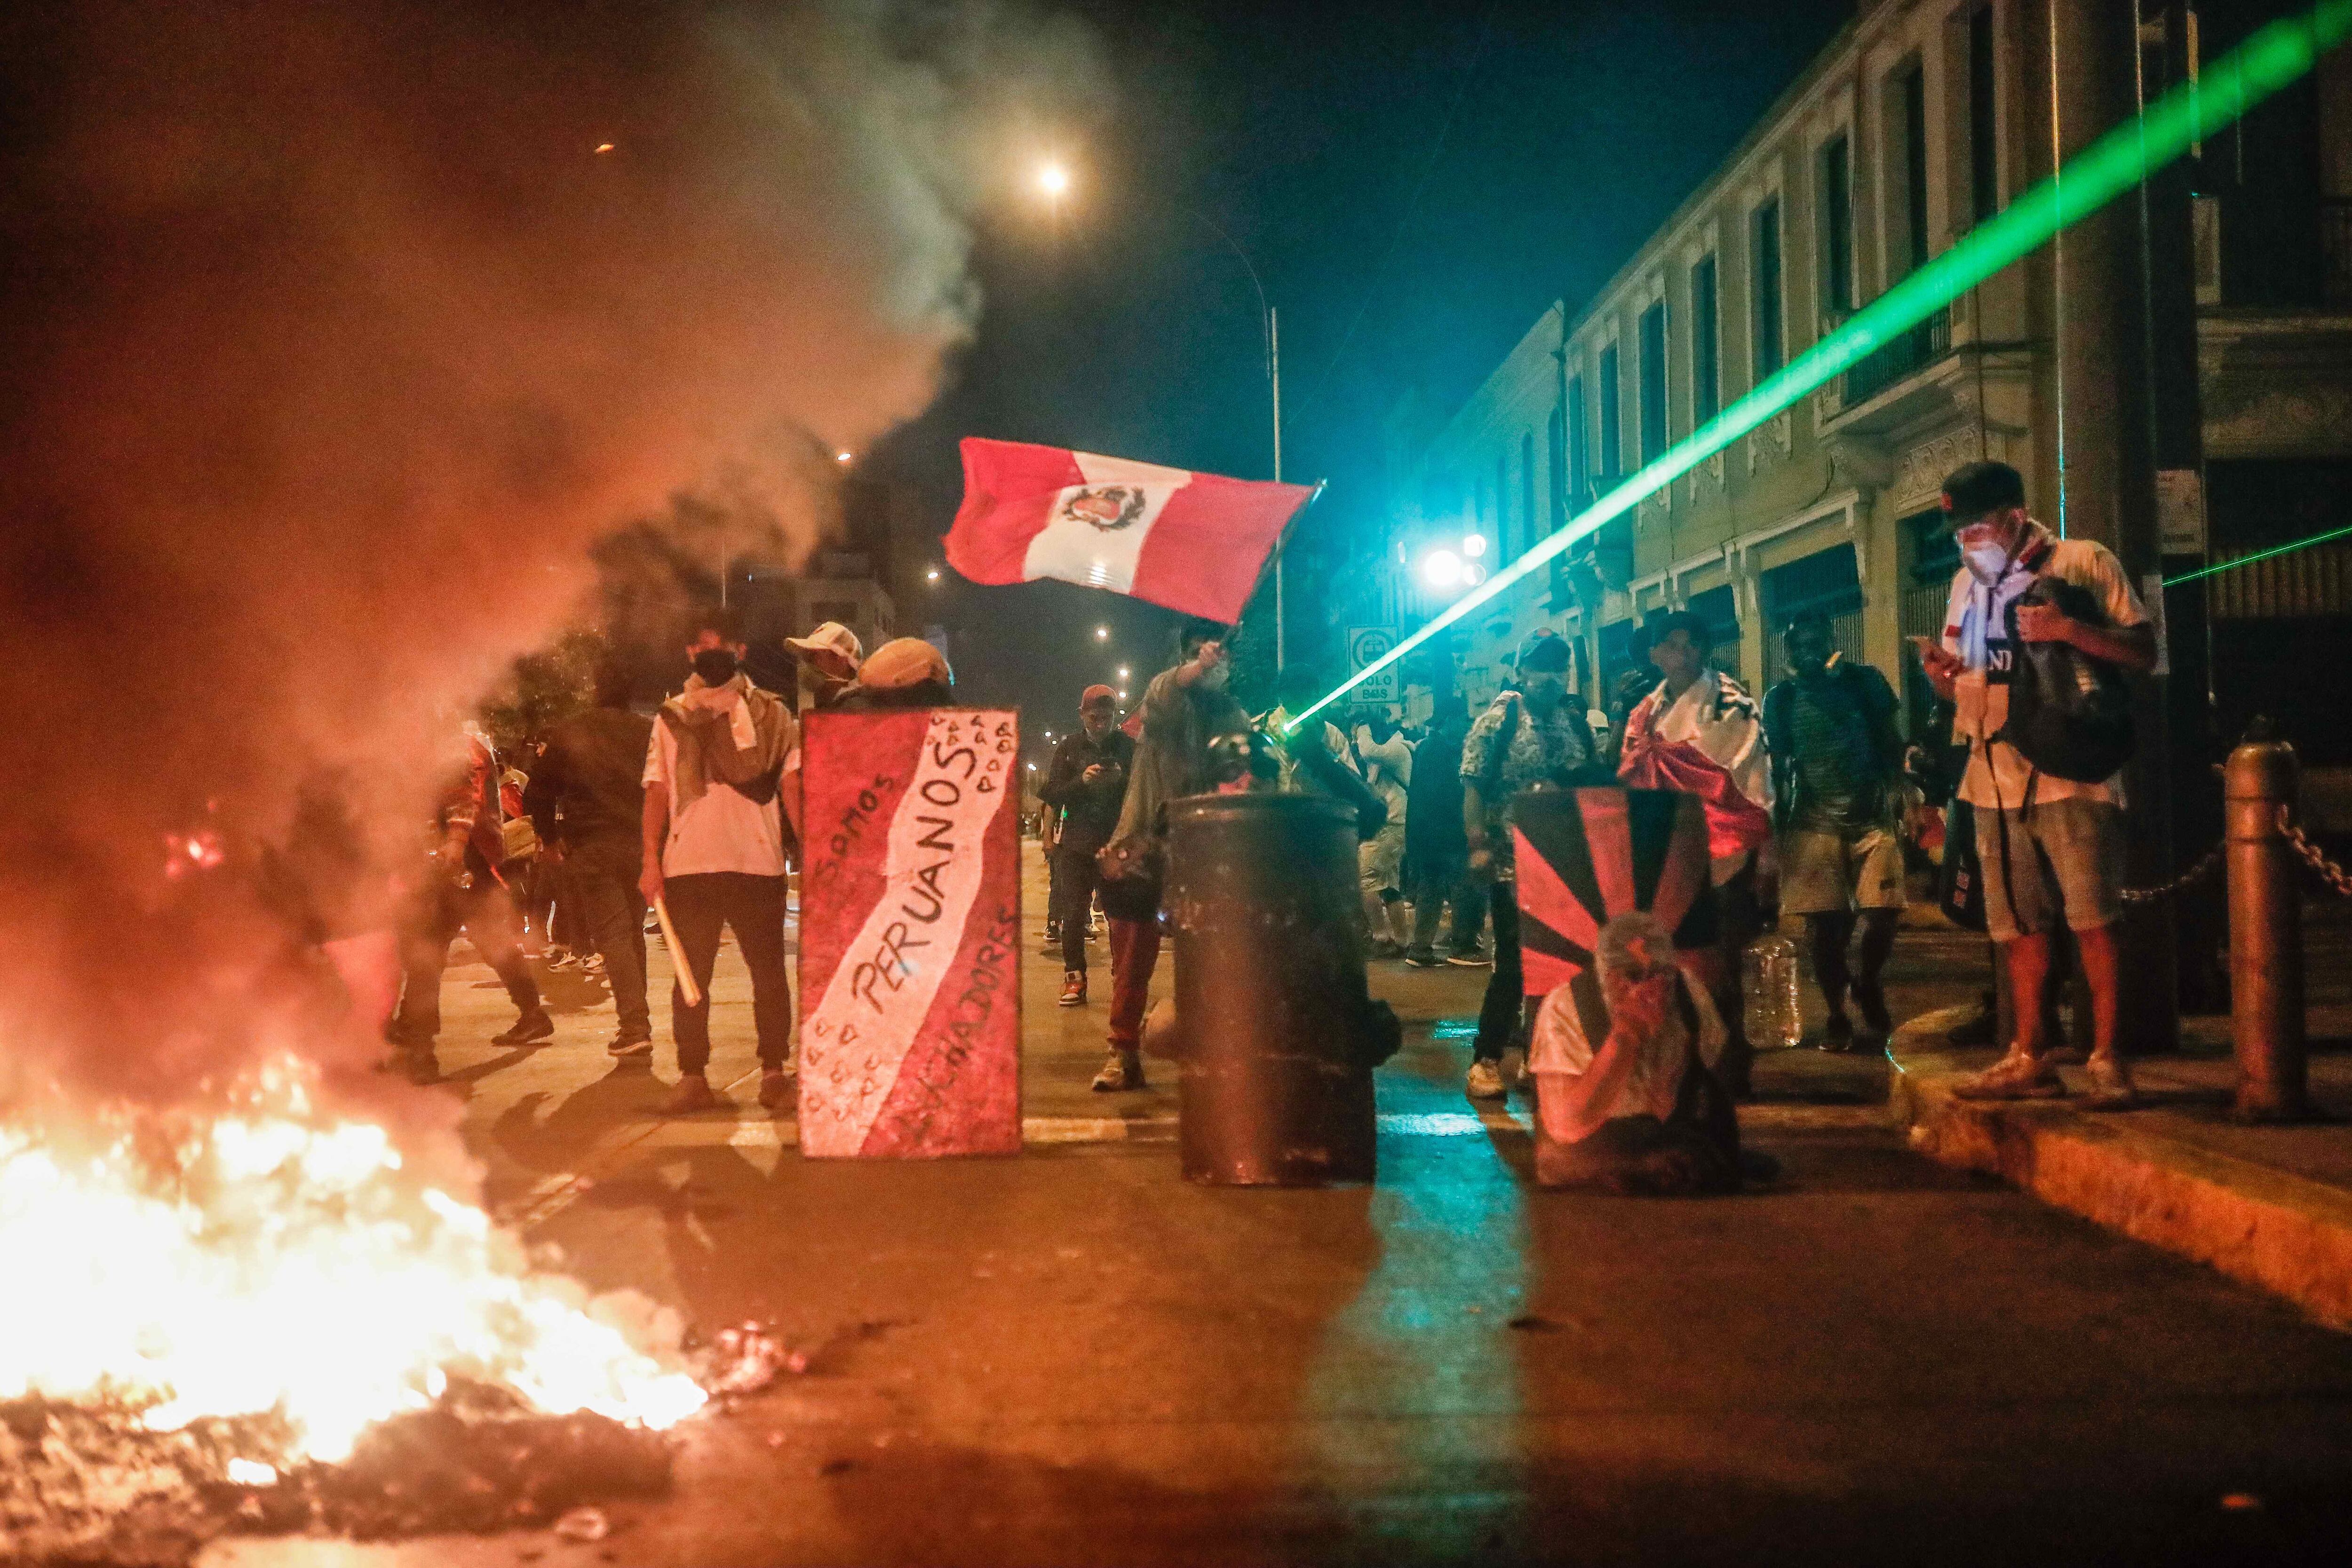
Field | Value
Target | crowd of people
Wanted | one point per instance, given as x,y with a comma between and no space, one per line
695,811
1805,798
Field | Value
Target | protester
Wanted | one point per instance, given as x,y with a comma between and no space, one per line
829,659
460,890
1529,739
1186,707
587,798
713,839
1623,1059
1699,732
1436,853
1049,839
2028,820
1085,781
1838,795
1385,759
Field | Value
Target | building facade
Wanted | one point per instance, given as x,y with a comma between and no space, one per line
1920,120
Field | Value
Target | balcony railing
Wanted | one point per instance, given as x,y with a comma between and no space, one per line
1912,351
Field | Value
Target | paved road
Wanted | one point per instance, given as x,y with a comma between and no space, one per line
1074,1357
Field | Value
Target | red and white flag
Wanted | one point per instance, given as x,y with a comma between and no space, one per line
1195,543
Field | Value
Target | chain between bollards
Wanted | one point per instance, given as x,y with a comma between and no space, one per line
2334,876
2207,864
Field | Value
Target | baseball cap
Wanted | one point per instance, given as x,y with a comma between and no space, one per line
1097,694
835,639
1547,650
1973,489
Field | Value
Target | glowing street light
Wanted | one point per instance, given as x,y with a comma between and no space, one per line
1102,634
845,456
1474,545
932,576
1123,696
1123,672
1052,180
1441,569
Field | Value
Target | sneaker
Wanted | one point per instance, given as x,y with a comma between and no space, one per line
2110,1085
1483,1080
1469,958
564,958
2014,1077
1422,958
593,964
692,1094
1122,1072
1384,948
1837,1035
776,1089
1074,988
631,1046
528,1030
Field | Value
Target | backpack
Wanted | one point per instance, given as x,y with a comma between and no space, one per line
2069,714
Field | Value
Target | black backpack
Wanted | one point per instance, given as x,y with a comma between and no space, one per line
2069,714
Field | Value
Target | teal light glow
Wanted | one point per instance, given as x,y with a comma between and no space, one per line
2272,58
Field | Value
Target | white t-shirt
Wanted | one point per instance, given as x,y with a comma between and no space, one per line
1976,627
1388,768
724,831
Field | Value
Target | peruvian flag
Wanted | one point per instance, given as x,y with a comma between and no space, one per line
1193,542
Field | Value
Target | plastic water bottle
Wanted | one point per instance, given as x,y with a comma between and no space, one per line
1769,994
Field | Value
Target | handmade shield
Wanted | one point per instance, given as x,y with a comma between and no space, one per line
1587,855
910,925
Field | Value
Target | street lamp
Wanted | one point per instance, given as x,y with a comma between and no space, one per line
932,576
1441,569
1052,180
1102,634
1123,696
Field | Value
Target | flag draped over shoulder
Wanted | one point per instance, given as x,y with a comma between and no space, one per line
1193,542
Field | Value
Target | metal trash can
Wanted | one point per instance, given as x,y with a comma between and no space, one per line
1277,1033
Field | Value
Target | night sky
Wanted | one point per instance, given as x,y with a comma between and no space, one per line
1415,185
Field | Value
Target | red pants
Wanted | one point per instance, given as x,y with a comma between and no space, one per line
1134,954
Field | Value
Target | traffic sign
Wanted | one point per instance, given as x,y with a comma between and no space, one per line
1370,645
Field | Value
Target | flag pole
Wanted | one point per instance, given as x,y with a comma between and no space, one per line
1273,375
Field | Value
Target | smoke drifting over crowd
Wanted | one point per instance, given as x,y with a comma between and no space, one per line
338,334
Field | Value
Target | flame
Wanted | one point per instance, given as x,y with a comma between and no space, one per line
276,1259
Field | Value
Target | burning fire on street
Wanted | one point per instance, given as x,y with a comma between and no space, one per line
259,1320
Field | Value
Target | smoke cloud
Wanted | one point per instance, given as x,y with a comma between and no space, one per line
336,335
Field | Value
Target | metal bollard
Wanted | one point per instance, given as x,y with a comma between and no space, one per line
2265,935
1272,1086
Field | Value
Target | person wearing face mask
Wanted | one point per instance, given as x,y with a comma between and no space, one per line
714,848
1087,781
2051,848
1529,739
1186,707
1386,759
1837,774
1699,732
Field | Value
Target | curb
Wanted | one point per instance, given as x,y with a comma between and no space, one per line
2259,1224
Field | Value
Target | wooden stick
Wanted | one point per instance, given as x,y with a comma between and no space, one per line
678,961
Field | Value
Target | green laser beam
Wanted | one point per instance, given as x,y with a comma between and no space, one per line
2287,549
2274,56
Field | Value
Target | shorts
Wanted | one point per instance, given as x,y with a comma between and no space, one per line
1379,861
1829,873
2067,856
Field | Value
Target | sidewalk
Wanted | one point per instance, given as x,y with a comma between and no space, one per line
2269,1205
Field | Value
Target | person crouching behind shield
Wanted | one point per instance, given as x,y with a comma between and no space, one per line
1623,1056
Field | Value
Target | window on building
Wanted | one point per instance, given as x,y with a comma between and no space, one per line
1579,448
1707,375
1556,451
1835,166
1765,342
1501,531
1528,531
1984,147
1909,118
1612,433
1652,350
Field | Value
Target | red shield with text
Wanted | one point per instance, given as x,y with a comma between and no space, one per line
910,925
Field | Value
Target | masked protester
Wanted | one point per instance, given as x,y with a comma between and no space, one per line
587,796
1385,758
1838,793
713,836
460,890
829,659
1086,782
1533,737
2052,848
1699,732
1186,707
